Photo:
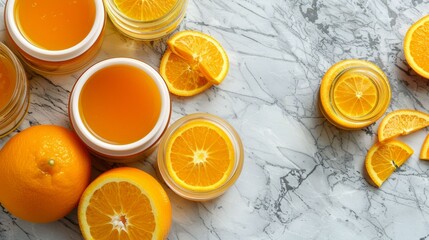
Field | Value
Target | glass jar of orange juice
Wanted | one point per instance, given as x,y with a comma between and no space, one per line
146,20
200,156
55,37
14,91
354,94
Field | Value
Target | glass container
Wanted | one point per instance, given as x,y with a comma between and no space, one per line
230,180
354,94
14,108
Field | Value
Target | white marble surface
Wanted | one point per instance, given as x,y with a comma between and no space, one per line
302,177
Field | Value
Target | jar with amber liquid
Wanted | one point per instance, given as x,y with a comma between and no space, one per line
354,94
14,91
55,37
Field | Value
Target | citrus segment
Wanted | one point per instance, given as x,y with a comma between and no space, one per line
424,152
182,77
145,10
416,49
401,122
43,172
200,156
384,158
124,203
355,95
198,47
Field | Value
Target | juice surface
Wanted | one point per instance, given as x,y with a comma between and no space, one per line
55,24
7,81
120,104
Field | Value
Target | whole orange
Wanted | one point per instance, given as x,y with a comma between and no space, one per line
43,172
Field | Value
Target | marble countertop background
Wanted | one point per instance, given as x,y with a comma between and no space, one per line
302,177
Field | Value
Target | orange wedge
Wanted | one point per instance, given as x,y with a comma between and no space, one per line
182,77
424,152
199,156
198,47
384,158
147,10
416,49
124,203
401,122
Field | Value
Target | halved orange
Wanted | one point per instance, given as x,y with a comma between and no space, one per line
182,77
124,203
383,159
401,122
416,49
199,156
355,95
198,47
424,152
146,10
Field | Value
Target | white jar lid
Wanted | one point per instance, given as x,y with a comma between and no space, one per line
54,55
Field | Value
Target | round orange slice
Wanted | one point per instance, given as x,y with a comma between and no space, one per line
198,47
182,77
199,156
147,10
424,151
124,203
416,49
355,95
384,158
401,122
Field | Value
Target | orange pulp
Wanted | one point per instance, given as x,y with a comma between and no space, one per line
7,81
55,24
120,104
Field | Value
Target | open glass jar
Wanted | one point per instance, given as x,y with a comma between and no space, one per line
354,94
14,91
200,131
55,37
149,28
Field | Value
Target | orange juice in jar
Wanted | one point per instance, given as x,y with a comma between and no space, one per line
354,94
55,37
120,108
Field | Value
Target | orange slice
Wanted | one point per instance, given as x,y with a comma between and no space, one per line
147,10
199,156
182,77
416,49
384,158
206,51
401,122
355,95
424,152
124,203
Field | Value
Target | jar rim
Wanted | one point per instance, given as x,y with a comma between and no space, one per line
238,158
165,16
54,55
119,150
